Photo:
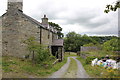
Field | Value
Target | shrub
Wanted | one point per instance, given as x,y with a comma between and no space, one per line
89,59
52,57
39,52
42,54
111,45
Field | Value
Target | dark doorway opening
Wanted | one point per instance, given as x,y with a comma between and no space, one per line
55,51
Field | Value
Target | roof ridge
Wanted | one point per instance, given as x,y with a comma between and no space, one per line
31,19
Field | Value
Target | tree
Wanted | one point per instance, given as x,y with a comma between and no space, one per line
73,41
111,45
58,28
39,52
88,45
110,7
102,39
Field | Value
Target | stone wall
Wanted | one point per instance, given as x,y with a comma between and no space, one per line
50,38
47,37
27,29
44,37
16,29
60,53
55,36
91,48
10,33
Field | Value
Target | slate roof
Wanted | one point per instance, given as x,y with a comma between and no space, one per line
57,42
34,21
31,19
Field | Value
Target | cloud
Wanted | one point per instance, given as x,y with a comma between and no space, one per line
3,6
81,16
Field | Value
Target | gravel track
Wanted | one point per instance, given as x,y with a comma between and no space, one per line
61,72
81,73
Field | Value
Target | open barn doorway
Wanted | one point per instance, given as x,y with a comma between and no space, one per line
55,51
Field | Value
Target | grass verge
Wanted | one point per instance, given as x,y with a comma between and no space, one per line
19,68
68,54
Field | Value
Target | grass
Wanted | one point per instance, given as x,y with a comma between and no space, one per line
19,68
99,72
73,65
68,54
15,66
72,69
101,53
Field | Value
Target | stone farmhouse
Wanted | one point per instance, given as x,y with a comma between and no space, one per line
17,27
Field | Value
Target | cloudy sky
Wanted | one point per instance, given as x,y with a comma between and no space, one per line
81,16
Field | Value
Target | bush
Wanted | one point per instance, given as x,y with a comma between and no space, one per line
52,57
111,45
39,52
89,59
42,54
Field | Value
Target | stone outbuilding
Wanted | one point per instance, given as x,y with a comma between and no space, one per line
17,27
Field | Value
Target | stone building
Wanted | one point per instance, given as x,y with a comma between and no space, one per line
17,27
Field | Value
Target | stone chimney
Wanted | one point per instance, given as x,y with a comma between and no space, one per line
15,5
45,21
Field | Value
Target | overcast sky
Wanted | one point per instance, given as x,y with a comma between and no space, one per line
81,16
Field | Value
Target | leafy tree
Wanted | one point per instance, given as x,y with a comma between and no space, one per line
31,45
39,52
42,54
86,40
87,45
110,7
58,28
73,41
102,39
111,45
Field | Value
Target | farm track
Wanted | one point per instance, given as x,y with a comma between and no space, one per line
79,72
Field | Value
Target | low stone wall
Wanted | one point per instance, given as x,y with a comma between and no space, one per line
91,48
84,55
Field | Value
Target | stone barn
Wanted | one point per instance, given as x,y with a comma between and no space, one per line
17,27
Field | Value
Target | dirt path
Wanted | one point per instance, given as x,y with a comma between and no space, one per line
72,70
67,72
81,71
61,71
